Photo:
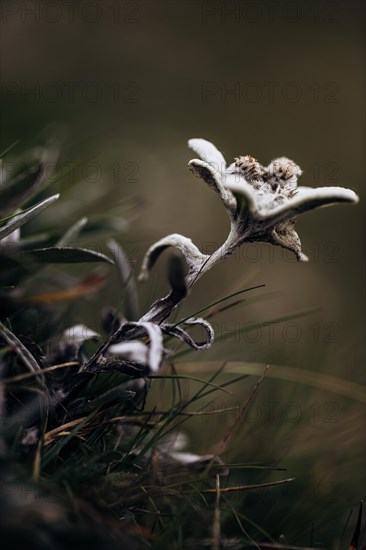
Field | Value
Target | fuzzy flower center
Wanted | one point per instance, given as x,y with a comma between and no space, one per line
274,184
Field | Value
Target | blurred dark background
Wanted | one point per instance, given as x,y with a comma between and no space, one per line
130,82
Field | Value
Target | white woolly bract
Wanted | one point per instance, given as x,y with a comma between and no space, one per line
131,351
79,334
263,207
209,153
156,344
151,356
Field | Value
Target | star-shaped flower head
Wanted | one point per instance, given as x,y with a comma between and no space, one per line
262,202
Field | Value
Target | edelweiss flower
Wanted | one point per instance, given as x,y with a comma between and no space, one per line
262,202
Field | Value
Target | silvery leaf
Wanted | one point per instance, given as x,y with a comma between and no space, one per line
192,254
214,180
308,198
131,351
208,152
176,331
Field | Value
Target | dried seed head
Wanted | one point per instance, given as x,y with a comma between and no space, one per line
282,172
251,169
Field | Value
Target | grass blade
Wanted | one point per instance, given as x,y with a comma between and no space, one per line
25,216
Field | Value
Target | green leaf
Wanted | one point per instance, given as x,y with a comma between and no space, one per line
24,217
68,255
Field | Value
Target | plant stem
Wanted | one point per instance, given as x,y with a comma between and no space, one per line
161,309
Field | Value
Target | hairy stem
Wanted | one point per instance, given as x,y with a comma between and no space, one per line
163,308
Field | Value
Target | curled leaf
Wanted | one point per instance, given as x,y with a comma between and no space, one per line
176,331
192,254
150,356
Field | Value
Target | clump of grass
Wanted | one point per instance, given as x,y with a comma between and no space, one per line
84,459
